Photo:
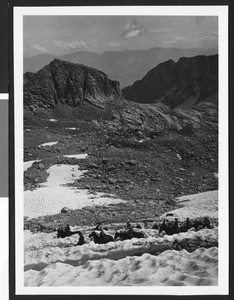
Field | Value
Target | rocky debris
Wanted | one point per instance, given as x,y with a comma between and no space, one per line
173,83
67,83
41,166
155,175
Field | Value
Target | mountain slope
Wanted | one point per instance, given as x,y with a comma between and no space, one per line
190,81
124,66
73,91
67,83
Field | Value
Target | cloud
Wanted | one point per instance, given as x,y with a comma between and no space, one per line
115,44
70,45
182,39
158,30
38,48
177,39
34,49
133,29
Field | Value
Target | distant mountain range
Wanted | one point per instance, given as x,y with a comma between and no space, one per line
178,84
123,66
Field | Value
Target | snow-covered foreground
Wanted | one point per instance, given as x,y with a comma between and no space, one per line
51,261
171,268
53,195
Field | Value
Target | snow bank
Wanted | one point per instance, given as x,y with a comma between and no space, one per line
169,268
48,144
52,195
197,205
28,164
42,249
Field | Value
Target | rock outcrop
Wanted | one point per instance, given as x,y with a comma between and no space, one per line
68,83
187,82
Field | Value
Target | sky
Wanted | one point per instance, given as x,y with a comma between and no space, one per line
60,35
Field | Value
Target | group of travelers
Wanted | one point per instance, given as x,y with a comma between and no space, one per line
129,232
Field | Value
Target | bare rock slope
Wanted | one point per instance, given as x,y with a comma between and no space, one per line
190,80
67,83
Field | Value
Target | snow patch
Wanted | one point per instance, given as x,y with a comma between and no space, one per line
28,164
78,156
52,195
48,144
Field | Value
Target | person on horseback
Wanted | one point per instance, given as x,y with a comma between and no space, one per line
99,226
129,228
102,233
81,239
67,229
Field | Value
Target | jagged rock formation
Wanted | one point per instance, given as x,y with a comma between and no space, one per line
62,82
185,83
72,91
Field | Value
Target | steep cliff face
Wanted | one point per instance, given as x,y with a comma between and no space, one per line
190,80
68,83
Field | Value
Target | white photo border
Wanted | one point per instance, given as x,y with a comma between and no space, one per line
223,276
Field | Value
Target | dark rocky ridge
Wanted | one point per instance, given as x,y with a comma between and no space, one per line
124,66
189,80
67,83
63,90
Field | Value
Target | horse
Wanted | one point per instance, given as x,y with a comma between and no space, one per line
103,239
125,235
61,233
169,230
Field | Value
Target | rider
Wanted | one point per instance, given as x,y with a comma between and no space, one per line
81,239
67,229
99,226
102,233
129,227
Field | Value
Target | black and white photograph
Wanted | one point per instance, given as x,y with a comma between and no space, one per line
120,150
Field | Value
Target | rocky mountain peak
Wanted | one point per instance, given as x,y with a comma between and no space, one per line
68,83
190,80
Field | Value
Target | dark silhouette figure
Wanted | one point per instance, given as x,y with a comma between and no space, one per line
169,230
155,226
175,228
125,235
103,239
207,223
138,226
163,227
67,228
186,227
81,239
62,233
